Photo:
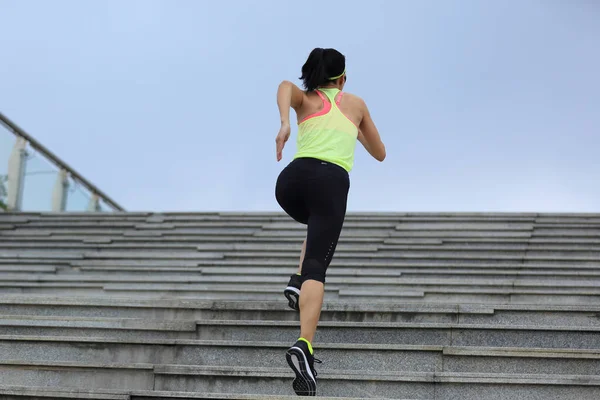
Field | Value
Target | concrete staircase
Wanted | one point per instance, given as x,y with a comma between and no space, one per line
190,306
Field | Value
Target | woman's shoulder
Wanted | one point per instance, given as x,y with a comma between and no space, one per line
353,99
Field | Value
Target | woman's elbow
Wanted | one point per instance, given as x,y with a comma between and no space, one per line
381,155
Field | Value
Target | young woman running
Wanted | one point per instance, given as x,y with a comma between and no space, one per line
313,188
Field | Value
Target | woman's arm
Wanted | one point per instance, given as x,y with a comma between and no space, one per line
368,135
288,95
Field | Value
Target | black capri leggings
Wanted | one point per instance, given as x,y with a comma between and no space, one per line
315,193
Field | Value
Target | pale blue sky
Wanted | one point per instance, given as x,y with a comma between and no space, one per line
170,105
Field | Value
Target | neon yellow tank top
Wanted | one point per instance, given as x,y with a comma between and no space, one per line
328,135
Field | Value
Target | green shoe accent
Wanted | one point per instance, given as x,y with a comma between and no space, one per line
309,345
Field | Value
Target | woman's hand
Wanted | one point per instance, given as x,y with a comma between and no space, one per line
282,138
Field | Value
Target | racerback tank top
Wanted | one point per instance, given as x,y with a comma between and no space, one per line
328,135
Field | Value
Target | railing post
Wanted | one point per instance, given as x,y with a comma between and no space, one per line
2,194
60,193
94,205
16,175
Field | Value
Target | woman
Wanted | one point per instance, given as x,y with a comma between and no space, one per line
313,188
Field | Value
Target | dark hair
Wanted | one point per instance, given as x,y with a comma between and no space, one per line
321,66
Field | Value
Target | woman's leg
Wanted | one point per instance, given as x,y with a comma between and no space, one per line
327,200
323,235
311,302
289,193
324,193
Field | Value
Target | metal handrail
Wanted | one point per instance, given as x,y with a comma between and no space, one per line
58,162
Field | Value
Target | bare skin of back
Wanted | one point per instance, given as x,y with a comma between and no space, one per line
350,106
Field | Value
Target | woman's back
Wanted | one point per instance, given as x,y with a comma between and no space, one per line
324,77
329,133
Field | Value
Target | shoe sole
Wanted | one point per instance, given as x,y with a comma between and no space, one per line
293,295
304,384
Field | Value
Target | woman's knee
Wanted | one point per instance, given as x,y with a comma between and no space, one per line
313,270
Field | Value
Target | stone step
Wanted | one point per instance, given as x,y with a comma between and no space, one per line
42,392
488,247
413,226
117,328
190,247
438,225
400,267
348,225
567,233
363,286
76,215
143,270
34,262
144,237
292,264
568,220
78,224
88,307
441,334
483,273
193,239
188,309
283,272
38,255
275,381
462,297
445,385
363,356
501,294
181,292
367,264
262,250
270,292
30,393
199,232
474,296
405,234
427,255
75,225
159,255
77,375
126,307
28,269
215,353
388,255
121,278
207,282
236,216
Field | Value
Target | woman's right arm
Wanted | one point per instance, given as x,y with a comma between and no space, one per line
368,135
288,95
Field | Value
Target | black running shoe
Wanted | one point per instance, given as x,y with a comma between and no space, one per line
302,363
292,292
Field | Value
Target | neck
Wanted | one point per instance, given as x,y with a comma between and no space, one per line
329,87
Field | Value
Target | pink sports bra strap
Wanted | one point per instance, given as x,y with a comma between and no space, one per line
339,98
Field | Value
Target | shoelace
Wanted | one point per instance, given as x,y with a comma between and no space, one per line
314,371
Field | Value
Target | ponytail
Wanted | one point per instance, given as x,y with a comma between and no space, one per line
321,65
